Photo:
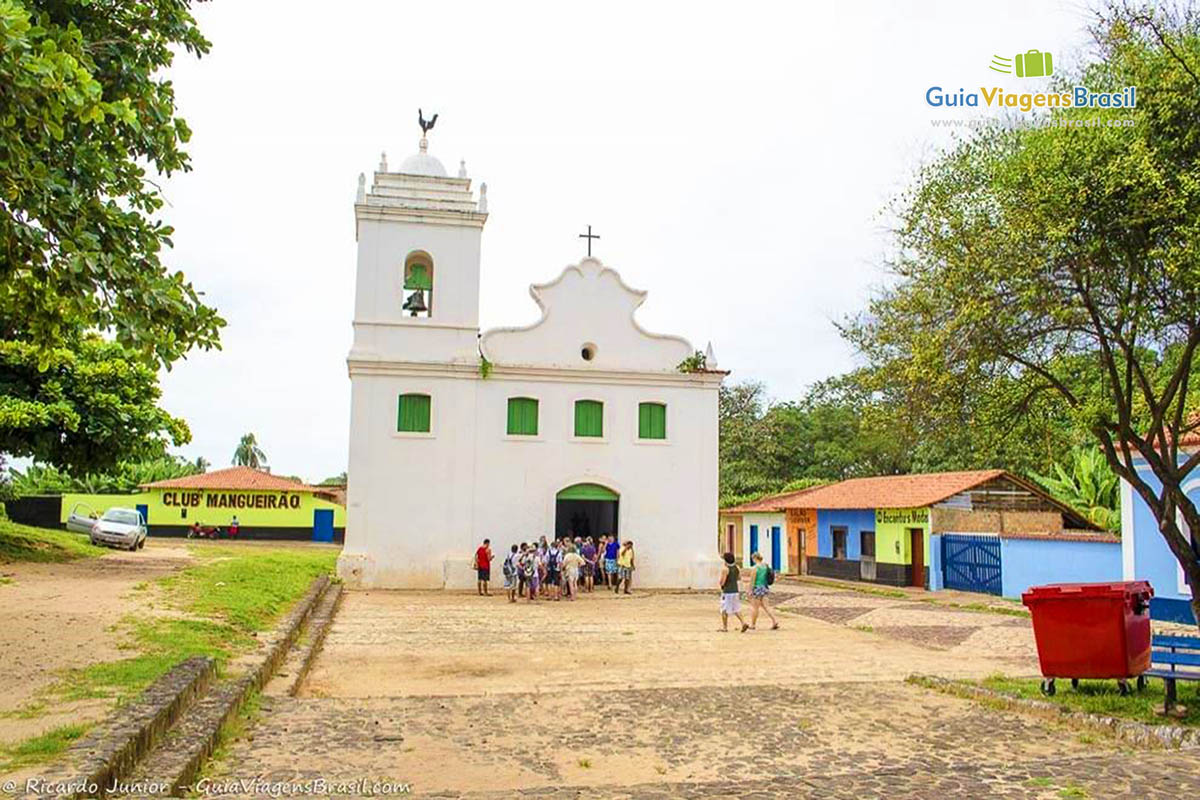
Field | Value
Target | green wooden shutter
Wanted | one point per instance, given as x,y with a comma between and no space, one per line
652,421
522,416
589,418
413,414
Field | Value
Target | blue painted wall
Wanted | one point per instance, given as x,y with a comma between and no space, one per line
1033,562
854,521
1152,560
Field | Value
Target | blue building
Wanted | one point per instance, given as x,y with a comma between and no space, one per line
1144,552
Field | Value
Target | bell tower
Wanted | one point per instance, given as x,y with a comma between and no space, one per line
417,284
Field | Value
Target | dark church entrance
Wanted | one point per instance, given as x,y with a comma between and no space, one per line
586,509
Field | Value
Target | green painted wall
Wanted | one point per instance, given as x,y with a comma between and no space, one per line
892,543
213,507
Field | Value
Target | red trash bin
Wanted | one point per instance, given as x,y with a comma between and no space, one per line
1091,630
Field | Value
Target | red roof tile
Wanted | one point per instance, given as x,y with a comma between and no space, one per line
774,502
894,491
235,479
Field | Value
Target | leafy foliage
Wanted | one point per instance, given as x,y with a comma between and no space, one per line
85,112
125,478
696,362
1089,485
82,407
1063,262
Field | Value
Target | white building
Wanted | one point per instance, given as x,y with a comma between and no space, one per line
581,423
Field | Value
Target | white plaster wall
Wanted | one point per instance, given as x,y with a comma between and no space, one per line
668,489
408,499
587,304
764,523
383,247
420,505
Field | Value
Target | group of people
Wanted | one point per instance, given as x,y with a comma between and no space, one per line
560,568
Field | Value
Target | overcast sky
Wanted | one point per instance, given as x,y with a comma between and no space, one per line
735,159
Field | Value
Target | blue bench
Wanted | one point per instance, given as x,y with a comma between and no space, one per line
1174,658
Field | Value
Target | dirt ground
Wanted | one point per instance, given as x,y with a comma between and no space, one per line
623,697
644,640
58,616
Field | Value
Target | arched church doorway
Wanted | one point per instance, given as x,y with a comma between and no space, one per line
586,509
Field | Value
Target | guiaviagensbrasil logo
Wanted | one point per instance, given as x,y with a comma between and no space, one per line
1030,64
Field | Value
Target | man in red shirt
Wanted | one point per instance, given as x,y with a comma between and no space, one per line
483,567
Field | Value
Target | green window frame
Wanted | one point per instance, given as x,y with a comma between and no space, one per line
652,421
589,418
412,414
522,416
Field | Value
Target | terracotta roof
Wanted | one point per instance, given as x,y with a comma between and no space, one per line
894,491
773,502
235,479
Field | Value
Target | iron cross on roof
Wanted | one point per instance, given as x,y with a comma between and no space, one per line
589,236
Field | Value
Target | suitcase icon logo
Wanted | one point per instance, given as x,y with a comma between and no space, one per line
1034,64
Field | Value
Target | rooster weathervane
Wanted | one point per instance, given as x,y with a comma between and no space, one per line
426,125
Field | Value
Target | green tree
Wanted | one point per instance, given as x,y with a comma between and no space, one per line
248,453
1043,256
83,407
84,112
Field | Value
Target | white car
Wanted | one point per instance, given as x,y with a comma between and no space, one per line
121,527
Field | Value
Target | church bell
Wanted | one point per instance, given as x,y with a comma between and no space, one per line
416,303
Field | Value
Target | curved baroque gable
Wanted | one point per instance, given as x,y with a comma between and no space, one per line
588,305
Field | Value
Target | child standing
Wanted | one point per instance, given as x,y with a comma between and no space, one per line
625,566
511,569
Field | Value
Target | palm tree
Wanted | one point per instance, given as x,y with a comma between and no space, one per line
248,454
201,464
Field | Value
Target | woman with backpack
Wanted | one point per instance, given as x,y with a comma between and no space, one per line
764,576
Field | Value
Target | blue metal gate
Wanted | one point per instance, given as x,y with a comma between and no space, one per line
971,563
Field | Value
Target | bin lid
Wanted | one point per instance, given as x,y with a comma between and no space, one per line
1066,591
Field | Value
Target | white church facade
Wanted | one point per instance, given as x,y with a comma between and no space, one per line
582,423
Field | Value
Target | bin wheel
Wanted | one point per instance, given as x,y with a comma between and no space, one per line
1075,683
1048,687
1141,682
1123,688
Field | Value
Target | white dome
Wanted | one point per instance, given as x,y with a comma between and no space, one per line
422,164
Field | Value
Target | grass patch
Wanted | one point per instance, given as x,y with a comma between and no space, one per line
25,543
223,600
40,749
892,593
247,588
896,594
1103,698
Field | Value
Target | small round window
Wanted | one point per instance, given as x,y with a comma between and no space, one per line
587,352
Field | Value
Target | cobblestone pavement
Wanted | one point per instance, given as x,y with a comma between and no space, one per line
1005,638
557,701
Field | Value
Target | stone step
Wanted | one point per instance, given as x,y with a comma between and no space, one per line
170,767
287,680
110,750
